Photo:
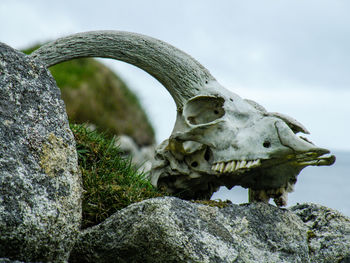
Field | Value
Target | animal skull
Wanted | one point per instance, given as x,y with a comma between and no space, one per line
222,139
219,138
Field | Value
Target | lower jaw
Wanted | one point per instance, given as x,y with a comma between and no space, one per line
318,161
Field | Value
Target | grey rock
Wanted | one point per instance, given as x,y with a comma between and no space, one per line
40,183
7,260
328,233
173,230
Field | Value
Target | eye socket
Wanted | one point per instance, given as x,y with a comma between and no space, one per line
204,109
207,154
194,164
267,144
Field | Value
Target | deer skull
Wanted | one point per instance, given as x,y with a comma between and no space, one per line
218,138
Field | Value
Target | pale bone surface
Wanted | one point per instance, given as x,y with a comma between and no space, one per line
219,138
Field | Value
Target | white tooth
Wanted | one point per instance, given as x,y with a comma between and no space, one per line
215,166
243,164
249,164
238,165
222,166
233,166
218,166
255,163
228,167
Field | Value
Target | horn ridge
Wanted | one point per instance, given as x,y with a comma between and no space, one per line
179,73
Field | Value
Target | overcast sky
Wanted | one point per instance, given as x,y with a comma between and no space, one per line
290,56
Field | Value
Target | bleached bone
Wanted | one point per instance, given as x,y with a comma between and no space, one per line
219,138
179,73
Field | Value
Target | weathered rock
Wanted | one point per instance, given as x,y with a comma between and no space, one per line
7,260
172,230
328,233
40,181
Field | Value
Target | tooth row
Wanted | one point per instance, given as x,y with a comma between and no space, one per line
232,166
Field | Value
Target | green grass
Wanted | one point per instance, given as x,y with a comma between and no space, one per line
110,182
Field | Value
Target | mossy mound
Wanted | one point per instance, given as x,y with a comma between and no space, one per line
110,182
94,94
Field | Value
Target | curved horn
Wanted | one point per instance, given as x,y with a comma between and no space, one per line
181,75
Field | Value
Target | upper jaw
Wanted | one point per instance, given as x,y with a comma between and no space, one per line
315,157
234,166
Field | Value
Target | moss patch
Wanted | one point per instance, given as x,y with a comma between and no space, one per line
110,182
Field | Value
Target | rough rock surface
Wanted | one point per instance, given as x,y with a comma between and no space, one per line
328,233
40,184
172,230
7,260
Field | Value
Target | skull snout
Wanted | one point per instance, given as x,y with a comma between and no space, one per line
295,143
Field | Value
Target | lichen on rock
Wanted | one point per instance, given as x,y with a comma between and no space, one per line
54,155
40,183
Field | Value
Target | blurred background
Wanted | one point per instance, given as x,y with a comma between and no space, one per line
291,57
